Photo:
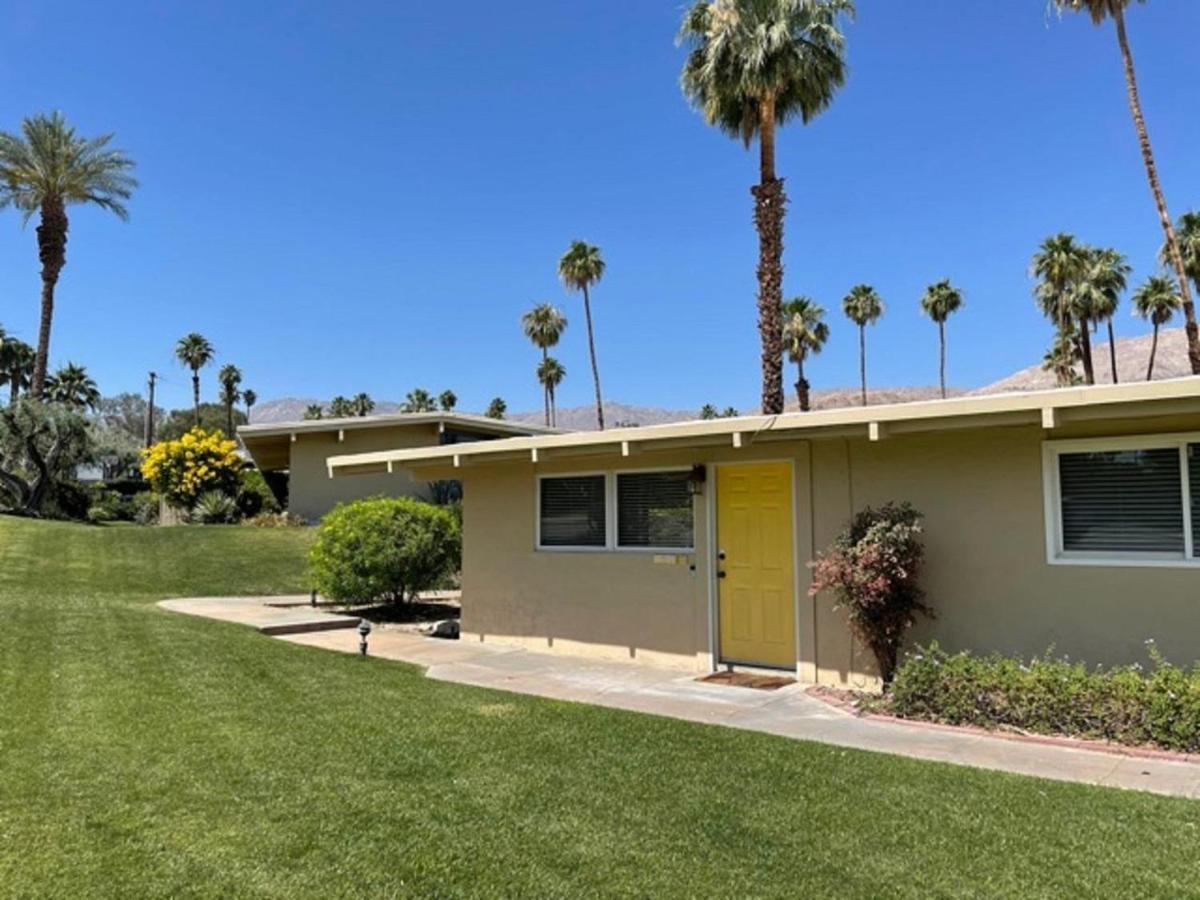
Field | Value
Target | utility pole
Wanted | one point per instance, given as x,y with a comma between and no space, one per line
150,412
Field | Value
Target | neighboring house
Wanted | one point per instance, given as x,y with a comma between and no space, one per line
1059,519
301,448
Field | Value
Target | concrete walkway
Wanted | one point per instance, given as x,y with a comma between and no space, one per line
788,712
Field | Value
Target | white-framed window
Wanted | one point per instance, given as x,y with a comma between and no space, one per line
634,510
1123,501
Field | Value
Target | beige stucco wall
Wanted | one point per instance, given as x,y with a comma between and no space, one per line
312,493
986,575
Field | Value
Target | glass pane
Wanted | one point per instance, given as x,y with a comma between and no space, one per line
1122,501
654,509
572,512
1193,453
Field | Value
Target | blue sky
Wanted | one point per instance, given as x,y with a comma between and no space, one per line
366,196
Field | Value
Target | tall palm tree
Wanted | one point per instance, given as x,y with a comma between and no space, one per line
580,268
341,407
1060,359
16,367
1098,293
249,398
1059,263
45,169
941,300
863,306
1157,300
72,386
544,325
1100,10
363,405
313,411
753,65
195,352
708,411
418,400
230,379
1187,230
447,400
804,332
550,373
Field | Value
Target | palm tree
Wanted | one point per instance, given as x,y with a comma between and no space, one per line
940,301
195,352
363,404
753,65
1157,300
804,332
313,411
447,400
1100,10
497,408
44,170
1059,264
863,306
16,367
341,407
1187,230
580,268
72,386
544,325
418,400
1098,293
550,373
249,398
708,411
730,412
230,379
1060,359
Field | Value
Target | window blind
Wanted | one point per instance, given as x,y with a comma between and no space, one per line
572,512
1122,501
654,509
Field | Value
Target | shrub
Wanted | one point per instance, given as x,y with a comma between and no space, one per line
145,507
872,569
214,508
198,462
274,520
254,496
384,549
1052,695
107,506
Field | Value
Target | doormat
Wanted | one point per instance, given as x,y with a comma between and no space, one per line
748,680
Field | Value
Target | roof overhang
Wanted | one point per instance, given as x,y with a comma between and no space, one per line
1050,409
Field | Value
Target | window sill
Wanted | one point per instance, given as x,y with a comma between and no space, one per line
1126,562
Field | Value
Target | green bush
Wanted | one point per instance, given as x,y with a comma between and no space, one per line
214,508
1052,696
385,549
145,507
254,496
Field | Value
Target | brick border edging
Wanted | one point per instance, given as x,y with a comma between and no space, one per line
840,702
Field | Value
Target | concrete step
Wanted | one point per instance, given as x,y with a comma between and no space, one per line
303,623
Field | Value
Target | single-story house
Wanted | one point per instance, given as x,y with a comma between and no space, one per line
301,449
1057,519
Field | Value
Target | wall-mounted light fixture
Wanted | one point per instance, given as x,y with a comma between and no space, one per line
696,479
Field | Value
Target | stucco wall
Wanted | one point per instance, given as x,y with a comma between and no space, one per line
987,575
312,493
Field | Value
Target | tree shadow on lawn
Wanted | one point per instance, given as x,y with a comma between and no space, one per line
417,612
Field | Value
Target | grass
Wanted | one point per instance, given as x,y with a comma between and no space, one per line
144,753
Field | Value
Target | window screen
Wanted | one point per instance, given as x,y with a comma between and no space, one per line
1122,501
654,509
572,512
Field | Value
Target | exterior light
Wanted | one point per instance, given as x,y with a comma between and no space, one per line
364,628
696,479
313,597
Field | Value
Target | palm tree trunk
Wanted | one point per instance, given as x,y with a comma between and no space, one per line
52,251
1176,258
802,396
862,360
587,312
1153,350
1112,352
942,357
229,419
546,390
196,394
1085,352
14,389
769,204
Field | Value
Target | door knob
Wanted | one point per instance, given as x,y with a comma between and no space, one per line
721,574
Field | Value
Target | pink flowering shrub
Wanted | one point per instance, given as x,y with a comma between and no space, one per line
872,570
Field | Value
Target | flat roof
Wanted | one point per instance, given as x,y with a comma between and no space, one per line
1050,408
268,443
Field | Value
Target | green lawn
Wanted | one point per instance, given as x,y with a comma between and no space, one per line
148,753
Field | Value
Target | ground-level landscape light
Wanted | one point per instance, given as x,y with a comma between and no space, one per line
312,599
364,628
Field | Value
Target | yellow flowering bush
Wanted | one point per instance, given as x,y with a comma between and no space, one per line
198,462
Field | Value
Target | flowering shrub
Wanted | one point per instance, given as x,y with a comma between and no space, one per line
1052,696
385,549
198,462
872,570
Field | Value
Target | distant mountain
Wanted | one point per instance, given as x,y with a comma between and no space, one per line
1133,354
291,409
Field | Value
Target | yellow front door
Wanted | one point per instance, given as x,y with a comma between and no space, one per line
756,605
